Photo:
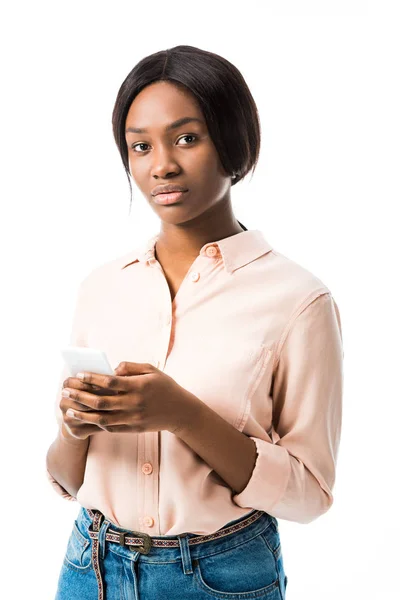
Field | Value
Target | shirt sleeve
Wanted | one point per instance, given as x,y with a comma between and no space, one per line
77,338
293,478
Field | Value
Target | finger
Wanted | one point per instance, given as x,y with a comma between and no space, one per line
131,368
79,429
112,382
66,403
74,382
102,420
94,401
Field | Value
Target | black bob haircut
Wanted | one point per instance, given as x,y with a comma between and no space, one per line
228,107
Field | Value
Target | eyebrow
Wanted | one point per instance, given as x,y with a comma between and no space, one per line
173,125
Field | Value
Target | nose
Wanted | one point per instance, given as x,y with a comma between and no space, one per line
163,163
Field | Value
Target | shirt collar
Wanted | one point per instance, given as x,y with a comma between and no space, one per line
236,251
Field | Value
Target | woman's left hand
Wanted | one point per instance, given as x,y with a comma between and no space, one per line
145,399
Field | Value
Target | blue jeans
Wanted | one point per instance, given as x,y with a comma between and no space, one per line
243,564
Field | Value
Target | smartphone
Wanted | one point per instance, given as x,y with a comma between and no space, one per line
79,358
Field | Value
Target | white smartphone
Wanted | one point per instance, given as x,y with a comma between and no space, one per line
79,358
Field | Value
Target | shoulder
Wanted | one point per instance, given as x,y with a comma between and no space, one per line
304,304
107,271
294,284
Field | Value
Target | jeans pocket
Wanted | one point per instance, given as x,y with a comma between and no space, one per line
245,571
79,550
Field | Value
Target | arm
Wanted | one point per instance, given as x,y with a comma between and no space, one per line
224,448
66,457
293,478
66,462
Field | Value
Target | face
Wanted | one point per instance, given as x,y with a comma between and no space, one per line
183,154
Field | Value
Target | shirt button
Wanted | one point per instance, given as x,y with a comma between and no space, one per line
211,251
148,521
194,276
147,468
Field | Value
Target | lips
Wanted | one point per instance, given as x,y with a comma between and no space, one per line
171,198
167,189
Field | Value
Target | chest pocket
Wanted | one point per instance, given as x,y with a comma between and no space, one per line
225,384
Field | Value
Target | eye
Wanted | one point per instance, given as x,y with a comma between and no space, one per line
188,135
139,144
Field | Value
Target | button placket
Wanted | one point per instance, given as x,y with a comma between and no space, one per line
194,276
148,521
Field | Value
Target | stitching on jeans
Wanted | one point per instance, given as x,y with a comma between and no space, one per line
278,550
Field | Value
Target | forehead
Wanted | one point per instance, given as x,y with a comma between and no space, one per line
162,102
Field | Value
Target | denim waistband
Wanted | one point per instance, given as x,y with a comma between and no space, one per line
256,526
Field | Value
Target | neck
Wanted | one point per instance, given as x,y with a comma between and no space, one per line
183,241
182,244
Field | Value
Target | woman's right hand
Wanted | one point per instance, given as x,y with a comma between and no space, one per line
73,428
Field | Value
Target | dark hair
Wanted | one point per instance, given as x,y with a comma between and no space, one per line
229,108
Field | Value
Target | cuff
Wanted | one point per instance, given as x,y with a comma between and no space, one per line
268,481
58,488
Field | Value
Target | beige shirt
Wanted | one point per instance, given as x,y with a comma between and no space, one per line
255,336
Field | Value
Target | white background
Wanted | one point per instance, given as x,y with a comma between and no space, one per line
324,75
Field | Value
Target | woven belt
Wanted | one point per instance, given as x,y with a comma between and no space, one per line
141,542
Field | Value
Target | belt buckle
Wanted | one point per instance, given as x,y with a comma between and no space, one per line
147,541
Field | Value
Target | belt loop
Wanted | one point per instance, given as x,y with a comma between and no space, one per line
102,537
183,539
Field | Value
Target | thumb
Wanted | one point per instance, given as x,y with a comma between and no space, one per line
133,368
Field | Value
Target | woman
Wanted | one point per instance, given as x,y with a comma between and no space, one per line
224,413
